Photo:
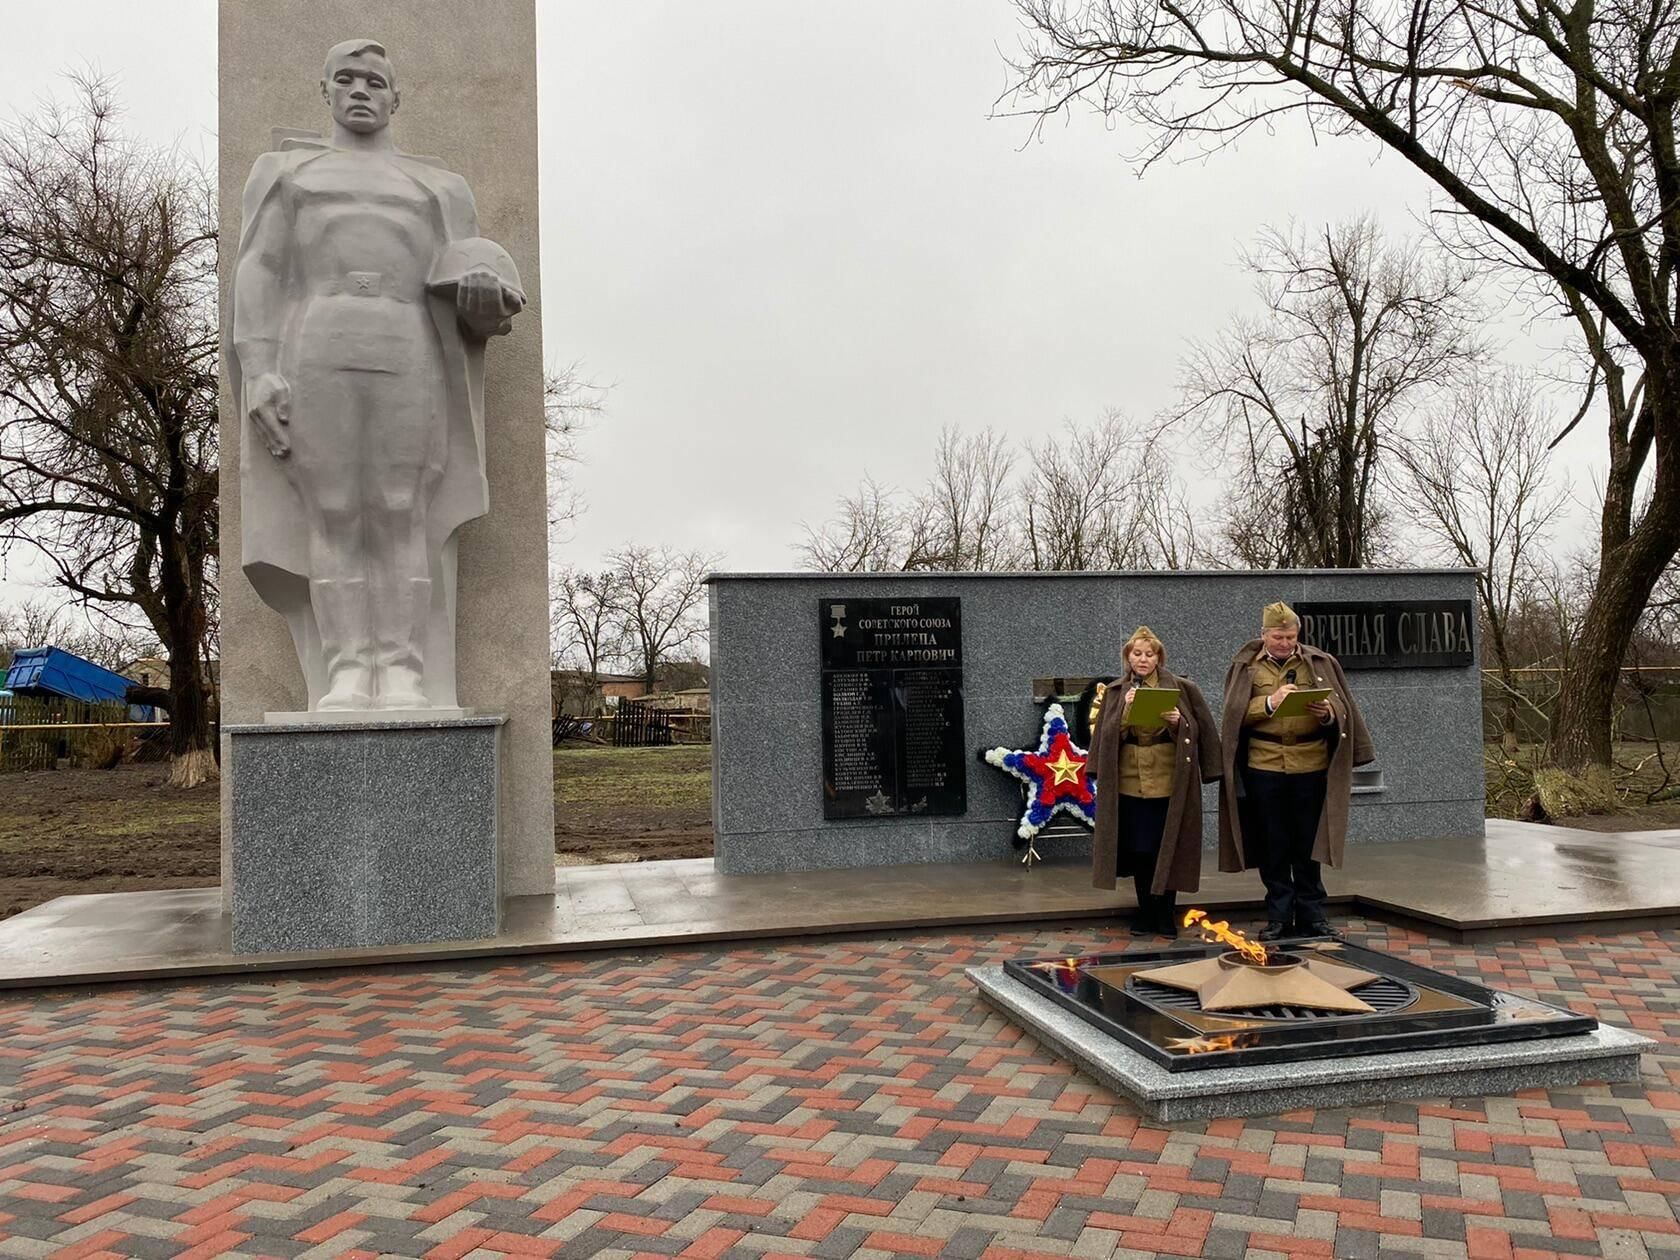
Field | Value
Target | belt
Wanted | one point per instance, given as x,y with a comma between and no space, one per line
363,284
1269,738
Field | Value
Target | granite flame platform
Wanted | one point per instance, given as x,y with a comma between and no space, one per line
1603,1053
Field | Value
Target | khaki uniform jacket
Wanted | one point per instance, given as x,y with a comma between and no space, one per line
1350,746
1146,759
1287,758
1197,761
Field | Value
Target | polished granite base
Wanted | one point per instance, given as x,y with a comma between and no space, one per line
1260,1089
1520,878
364,830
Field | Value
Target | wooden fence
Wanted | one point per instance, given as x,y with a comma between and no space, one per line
688,726
37,733
641,726
1647,705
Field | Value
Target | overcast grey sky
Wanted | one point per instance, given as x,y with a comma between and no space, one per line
797,244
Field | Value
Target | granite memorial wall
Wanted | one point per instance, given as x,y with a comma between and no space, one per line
848,709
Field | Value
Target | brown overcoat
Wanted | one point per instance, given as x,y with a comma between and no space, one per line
1179,866
1350,746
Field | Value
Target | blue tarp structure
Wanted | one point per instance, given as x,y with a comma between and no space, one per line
50,671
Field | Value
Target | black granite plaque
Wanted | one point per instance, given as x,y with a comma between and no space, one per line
860,767
893,741
933,776
1393,634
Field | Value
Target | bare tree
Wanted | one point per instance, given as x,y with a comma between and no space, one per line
33,623
1250,528
871,532
1099,496
1307,397
108,344
585,624
1165,520
659,598
1476,478
962,519
1546,128
1078,498
36,623
571,403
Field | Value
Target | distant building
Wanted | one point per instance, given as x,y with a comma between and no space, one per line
574,694
153,671
688,700
623,687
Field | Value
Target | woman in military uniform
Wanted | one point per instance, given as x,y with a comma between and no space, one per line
1149,787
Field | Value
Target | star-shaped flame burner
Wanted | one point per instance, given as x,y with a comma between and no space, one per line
1229,982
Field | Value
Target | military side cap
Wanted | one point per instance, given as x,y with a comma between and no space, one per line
1277,616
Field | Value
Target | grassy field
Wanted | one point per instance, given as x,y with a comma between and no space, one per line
86,831
632,804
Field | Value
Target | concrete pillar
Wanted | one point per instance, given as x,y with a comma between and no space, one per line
467,77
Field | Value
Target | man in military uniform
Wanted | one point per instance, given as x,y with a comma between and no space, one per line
1283,803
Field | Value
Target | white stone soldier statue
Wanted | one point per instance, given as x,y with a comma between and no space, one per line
362,302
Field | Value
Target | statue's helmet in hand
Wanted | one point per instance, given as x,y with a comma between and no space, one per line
471,253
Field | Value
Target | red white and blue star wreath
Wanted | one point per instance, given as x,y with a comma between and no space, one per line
1056,775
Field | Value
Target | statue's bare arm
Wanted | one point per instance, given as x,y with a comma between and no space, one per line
259,312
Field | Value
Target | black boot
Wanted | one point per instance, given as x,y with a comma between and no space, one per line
1143,921
1166,914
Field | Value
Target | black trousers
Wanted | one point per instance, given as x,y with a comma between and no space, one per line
1280,825
1143,819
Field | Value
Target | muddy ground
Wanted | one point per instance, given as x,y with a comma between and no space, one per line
632,804
88,831
123,830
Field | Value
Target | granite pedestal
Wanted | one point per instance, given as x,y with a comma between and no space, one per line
367,833
1605,1054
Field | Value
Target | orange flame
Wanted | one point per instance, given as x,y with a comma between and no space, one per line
1202,1045
1225,934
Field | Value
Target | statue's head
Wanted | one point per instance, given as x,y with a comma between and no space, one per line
360,86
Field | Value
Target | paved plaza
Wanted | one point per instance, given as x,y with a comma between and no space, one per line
842,1097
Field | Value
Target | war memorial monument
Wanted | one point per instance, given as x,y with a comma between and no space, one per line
891,1015
387,775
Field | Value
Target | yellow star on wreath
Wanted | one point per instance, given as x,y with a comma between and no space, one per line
1065,768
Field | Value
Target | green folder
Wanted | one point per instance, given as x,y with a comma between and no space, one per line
1148,706
1296,702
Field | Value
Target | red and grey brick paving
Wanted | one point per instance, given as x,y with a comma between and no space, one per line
838,1098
